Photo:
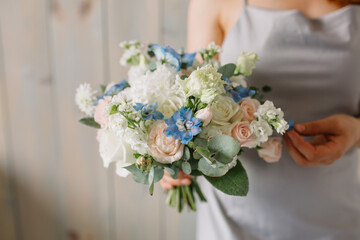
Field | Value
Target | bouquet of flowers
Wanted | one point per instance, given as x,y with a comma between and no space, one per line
176,114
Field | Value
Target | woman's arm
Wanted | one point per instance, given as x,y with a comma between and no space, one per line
203,28
203,24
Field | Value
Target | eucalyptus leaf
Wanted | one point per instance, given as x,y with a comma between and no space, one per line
143,176
170,170
226,148
186,154
89,122
212,171
206,154
186,167
235,182
227,70
200,142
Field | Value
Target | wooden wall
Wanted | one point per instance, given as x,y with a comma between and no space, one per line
52,181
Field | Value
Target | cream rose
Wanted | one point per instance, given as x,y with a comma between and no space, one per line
223,110
271,150
164,149
244,133
205,115
249,106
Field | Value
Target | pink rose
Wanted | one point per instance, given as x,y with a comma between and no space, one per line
249,107
205,115
99,115
271,150
243,132
164,149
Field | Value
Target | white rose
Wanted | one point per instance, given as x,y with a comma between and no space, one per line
262,130
212,130
246,63
115,149
223,110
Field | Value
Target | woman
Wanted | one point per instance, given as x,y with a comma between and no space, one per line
309,53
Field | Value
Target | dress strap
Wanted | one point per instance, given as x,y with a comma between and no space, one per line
244,3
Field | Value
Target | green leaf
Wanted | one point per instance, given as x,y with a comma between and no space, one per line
152,66
266,88
200,142
183,77
227,70
137,155
113,110
89,122
151,180
170,170
186,167
235,182
103,88
143,176
176,171
225,147
206,154
186,154
216,170
198,190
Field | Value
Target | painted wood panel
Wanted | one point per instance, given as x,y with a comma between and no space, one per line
7,204
77,57
31,136
58,188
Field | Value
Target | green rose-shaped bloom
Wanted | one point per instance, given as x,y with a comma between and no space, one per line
246,63
204,83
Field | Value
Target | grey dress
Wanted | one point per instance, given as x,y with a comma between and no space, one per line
313,67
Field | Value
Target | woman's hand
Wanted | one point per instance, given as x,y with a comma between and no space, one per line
333,136
167,182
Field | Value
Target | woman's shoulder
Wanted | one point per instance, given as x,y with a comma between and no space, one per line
223,12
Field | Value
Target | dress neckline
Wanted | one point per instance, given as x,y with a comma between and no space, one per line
324,17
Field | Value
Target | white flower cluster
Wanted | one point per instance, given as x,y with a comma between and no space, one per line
159,86
204,83
133,53
127,123
273,116
85,98
208,54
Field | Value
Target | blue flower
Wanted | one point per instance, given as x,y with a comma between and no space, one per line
149,112
113,90
166,55
291,124
239,92
187,59
183,126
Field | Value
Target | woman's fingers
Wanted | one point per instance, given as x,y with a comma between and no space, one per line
324,126
295,154
302,146
167,182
